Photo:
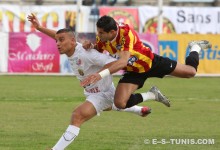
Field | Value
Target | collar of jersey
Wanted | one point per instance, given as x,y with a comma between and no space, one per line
116,34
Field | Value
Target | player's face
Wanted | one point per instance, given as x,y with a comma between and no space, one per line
104,36
65,43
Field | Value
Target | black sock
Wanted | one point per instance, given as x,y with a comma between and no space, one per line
134,100
193,59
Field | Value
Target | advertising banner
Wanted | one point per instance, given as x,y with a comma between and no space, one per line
193,20
13,18
175,47
32,52
150,40
127,15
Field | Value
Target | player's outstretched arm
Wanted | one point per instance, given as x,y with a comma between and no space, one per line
35,22
89,45
108,69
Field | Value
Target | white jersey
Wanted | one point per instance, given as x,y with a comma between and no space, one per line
84,63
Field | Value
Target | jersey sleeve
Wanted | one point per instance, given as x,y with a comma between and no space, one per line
99,45
127,41
99,59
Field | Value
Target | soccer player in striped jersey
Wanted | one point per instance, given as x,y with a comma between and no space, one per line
137,60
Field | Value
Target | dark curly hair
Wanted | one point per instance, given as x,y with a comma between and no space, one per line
106,23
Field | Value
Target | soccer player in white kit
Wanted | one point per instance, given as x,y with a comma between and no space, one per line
99,96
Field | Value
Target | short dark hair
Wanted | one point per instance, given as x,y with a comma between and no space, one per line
66,30
107,23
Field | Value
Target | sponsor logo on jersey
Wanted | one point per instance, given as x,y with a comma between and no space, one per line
118,47
81,72
131,60
78,62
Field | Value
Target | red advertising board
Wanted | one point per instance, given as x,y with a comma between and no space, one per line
125,15
32,52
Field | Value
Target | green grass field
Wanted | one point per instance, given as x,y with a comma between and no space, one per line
35,111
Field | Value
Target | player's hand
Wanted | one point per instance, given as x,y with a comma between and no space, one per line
91,79
87,45
33,19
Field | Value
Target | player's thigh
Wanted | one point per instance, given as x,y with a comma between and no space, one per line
85,111
123,91
101,100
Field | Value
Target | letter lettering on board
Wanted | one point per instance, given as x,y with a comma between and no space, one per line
54,19
181,17
10,16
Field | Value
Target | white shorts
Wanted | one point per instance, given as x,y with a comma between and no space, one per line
101,100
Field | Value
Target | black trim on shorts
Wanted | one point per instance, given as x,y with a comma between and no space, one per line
161,66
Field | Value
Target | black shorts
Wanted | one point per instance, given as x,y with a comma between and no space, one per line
161,66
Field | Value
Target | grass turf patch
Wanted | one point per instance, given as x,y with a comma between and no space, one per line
35,111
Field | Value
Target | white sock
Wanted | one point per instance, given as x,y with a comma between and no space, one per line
67,138
134,109
196,48
148,96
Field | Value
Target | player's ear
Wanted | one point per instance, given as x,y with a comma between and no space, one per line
112,31
73,40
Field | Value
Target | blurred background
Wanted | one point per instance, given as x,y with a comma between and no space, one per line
164,25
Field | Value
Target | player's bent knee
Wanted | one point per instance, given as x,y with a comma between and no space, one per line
120,105
191,74
77,118
188,73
